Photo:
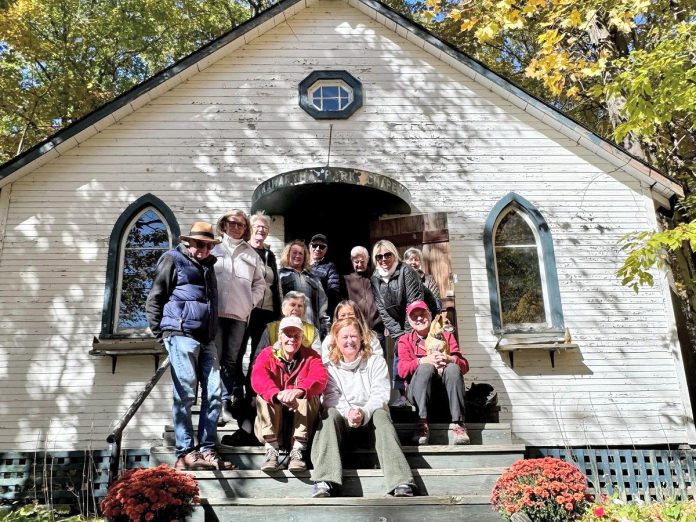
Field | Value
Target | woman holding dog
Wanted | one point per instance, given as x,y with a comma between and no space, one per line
420,369
356,398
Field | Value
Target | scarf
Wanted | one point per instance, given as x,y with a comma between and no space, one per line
386,274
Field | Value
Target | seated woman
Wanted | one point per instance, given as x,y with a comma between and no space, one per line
349,309
288,379
420,369
356,398
294,303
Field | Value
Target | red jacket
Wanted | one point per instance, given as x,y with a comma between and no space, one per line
269,375
412,348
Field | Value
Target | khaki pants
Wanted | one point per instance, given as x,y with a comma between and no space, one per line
269,419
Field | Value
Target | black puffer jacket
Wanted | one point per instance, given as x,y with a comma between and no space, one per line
403,288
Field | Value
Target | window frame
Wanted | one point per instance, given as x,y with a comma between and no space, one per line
114,264
326,77
547,265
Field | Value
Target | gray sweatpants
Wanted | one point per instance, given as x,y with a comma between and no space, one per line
327,445
420,389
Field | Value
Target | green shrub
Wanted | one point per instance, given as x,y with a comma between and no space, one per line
615,510
40,513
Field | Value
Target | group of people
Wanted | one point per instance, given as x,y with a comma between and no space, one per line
318,372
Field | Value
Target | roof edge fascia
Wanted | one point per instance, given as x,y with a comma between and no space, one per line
660,184
126,103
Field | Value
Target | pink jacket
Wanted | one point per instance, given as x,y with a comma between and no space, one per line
412,348
269,375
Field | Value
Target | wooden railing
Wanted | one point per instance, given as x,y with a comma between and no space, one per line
115,436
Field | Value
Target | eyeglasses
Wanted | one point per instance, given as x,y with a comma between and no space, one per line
235,224
318,246
385,256
260,227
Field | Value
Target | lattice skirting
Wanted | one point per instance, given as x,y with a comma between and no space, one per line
68,477
632,473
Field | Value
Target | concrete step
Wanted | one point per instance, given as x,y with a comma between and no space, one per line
424,457
489,433
471,508
356,483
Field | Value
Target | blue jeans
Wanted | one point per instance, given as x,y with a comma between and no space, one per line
192,361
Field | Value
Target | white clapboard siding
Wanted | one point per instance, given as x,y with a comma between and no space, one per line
204,146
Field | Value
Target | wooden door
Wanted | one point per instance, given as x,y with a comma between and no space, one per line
429,233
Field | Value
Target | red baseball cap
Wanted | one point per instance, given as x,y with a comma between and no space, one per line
415,305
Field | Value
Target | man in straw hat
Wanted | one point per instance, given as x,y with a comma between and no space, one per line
182,311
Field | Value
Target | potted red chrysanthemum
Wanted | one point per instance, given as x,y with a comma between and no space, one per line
160,494
541,490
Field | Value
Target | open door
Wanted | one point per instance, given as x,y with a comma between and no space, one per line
429,233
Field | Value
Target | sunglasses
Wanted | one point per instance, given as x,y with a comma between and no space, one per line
201,245
387,255
318,246
235,224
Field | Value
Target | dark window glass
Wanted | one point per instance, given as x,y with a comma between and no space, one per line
147,239
330,104
519,276
329,91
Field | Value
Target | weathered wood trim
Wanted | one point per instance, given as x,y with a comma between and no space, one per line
112,261
550,273
4,211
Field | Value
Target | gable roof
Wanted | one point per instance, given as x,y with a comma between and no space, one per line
663,188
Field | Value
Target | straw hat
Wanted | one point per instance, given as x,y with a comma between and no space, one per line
201,231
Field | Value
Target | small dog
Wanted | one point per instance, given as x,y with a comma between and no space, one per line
435,342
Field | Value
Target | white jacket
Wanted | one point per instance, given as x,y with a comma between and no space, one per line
366,387
240,278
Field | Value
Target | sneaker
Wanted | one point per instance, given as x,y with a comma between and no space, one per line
321,490
297,462
400,402
194,461
212,457
403,490
422,434
270,463
459,435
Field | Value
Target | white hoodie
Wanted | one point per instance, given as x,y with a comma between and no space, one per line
362,384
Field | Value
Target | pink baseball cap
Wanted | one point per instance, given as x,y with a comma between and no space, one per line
290,322
415,305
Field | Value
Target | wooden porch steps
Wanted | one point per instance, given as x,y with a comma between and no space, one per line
454,482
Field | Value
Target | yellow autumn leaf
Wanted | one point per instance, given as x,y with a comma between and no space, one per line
487,33
468,25
574,19
573,91
455,14
513,20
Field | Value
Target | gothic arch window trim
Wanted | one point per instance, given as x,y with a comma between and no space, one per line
552,295
115,256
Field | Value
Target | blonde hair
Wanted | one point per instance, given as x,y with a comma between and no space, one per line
220,229
335,354
285,256
365,330
388,246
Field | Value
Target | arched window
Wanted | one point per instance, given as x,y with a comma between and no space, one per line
521,266
145,230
